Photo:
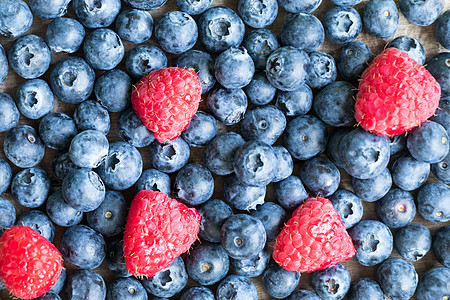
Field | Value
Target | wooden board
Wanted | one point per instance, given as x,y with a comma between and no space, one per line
424,34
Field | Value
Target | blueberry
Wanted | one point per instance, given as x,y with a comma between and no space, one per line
58,286
49,9
441,245
397,144
334,104
380,18
64,35
290,192
176,32
443,29
295,6
227,105
60,212
303,295
322,71
193,184
320,176
213,214
57,130
287,68
284,165
5,175
115,260
332,282
241,196
82,246
260,43
353,59
305,137
62,165
39,222
34,98
103,49
219,28
413,241
265,124
346,2
333,145
422,13
15,18
408,173
90,115
398,278
442,114
439,67
207,263
29,56
235,287
3,64
219,153
152,179
342,24
365,288
170,156
201,130
169,281
84,284
259,91
96,14
72,80
303,31
433,202
88,149
434,284
441,170
193,7
7,214
278,282
9,114
145,4
197,293
132,130
122,167
348,206
251,267
428,143
295,103
234,68
83,189
134,25
410,46
374,188
203,64
23,147
272,216
258,13
396,209
30,187
113,90
49,296
126,289
143,59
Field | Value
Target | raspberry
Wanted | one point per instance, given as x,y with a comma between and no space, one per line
395,94
29,264
158,230
166,100
313,239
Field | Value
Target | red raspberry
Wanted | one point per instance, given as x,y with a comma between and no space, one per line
166,100
158,230
395,94
313,239
29,264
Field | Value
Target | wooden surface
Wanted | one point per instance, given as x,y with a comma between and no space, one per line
424,34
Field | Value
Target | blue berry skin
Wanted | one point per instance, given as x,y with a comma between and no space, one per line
313,137
234,68
258,13
242,236
374,188
265,124
259,91
5,175
213,214
132,130
333,145
57,130
304,6
7,214
62,165
439,67
110,217
34,98
143,59
303,295
88,149
72,80
278,282
334,104
251,267
410,46
413,241
219,28
145,4
201,130
441,245
49,9
272,216
397,144
227,105
421,13
396,209
219,153
40,223
433,202
287,68
134,25
49,296
290,192
380,18
433,284
193,184
373,242
284,165
60,212
82,246
323,70
260,43
365,288
202,63
197,293
83,189
90,115
58,286
115,260
236,287
29,56
170,156
9,114
176,32
152,179
168,281
303,31
442,114
3,64
348,206
441,170
295,103
84,284
30,187
122,167
64,35
126,289
398,278
113,90
23,147
320,176
96,14
241,196
15,18
207,263
442,31
342,24
331,283
346,2
103,49
408,173
193,7
353,59
428,143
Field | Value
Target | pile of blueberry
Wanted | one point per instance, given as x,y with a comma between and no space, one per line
275,127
